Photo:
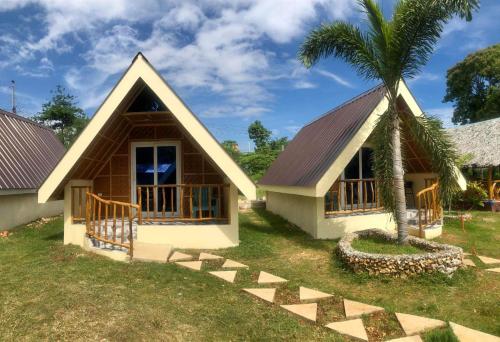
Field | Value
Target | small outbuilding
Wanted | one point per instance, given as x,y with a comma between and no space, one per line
28,153
324,181
479,145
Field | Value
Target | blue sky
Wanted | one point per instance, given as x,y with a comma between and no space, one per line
232,61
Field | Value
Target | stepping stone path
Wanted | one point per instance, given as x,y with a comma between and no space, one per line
413,325
266,294
268,278
226,275
207,256
178,256
356,309
468,262
310,294
354,328
414,338
233,264
470,335
194,265
488,260
307,311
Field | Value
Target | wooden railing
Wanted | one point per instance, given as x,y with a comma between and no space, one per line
78,202
183,202
111,221
352,195
494,190
428,207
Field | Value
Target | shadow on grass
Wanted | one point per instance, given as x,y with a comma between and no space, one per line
262,221
57,236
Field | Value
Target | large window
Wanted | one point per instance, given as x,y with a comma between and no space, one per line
357,188
155,168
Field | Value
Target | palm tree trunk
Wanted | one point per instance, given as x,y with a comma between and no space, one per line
399,185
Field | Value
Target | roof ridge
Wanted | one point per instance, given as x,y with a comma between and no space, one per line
22,118
473,123
342,105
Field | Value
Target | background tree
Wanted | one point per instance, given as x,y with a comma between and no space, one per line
388,51
474,86
62,114
259,134
231,147
266,150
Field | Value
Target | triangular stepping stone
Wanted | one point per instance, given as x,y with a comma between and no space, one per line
233,264
414,338
488,260
194,265
470,335
496,270
468,262
226,275
266,294
207,256
308,311
267,278
412,324
178,256
354,328
356,309
310,294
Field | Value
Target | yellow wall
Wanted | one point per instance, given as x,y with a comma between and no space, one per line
203,236
197,236
73,233
299,210
19,209
308,214
336,227
418,180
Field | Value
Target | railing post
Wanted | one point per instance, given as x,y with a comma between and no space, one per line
130,232
139,202
420,232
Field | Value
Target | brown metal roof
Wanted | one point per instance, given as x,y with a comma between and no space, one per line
28,152
316,146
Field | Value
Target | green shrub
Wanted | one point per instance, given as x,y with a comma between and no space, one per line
471,198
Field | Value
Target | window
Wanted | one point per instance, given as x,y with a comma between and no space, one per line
155,167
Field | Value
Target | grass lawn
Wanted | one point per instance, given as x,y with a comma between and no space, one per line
54,292
379,245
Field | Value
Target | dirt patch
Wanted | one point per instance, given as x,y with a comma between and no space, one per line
285,296
330,310
308,255
382,326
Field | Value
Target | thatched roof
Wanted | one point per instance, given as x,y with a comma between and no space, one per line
481,140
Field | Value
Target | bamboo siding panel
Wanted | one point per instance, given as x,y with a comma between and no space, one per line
28,152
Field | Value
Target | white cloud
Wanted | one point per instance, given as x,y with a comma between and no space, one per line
425,76
304,85
203,46
335,77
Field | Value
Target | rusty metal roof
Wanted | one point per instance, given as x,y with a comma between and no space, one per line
316,146
28,152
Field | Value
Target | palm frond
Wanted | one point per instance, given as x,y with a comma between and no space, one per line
429,134
417,26
380,33
344,41
383,159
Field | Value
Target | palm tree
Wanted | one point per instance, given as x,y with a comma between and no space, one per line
389,51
